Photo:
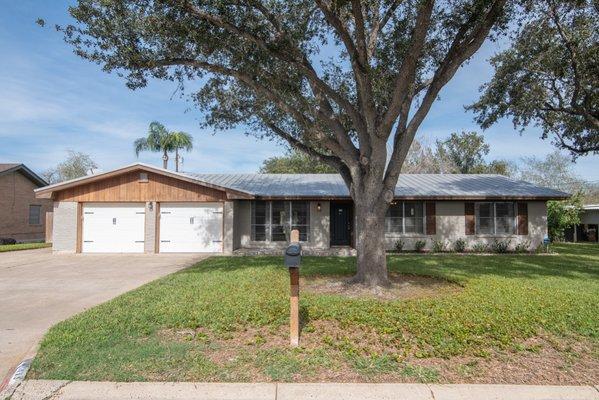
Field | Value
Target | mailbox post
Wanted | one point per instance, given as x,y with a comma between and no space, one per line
293,255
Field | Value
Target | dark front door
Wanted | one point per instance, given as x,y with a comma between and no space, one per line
341,224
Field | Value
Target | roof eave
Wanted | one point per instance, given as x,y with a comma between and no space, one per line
47,191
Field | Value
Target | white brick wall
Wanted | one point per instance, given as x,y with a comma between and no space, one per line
65,226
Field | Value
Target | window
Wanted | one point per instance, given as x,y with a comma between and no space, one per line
300,219
485,222
495,218
35,215
260,220
405,217
280,220
394,219
413,217
273,220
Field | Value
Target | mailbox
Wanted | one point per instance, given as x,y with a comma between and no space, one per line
293,255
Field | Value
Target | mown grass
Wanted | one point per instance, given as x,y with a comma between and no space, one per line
505,299
22,246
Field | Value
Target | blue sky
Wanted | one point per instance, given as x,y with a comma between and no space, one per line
53,101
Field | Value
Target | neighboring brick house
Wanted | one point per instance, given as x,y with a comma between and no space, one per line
22,215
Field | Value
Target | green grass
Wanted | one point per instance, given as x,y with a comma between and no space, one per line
22,246
224,320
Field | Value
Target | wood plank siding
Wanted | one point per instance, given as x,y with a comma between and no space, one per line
128,187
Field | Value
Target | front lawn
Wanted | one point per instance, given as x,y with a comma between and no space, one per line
506,318
23,246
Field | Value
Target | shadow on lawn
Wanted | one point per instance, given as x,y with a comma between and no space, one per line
573,261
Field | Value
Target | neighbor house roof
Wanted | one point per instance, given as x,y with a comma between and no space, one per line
6,168
332,186
439,186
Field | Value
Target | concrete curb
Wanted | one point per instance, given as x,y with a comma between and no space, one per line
66,390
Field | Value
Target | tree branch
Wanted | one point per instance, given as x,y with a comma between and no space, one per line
406,73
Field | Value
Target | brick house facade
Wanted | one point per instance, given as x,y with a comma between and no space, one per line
22,215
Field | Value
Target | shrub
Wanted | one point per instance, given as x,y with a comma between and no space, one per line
480,247
419,245
399,246
459,246
439,246
522,247
500,246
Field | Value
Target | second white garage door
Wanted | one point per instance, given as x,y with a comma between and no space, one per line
191,227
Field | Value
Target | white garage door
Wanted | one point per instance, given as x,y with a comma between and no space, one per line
113,228
191,227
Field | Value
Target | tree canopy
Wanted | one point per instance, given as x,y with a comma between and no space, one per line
161,140
460,153
295,163
549,76
76,165
260,64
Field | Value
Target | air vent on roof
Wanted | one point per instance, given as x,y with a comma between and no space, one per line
143,176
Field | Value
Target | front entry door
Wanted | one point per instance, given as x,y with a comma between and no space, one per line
341,224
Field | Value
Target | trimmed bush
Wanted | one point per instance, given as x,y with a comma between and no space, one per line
459,246
419,245
501,246
522,247
480,247
439,246
399,246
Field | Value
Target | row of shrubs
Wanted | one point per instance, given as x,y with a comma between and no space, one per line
461,246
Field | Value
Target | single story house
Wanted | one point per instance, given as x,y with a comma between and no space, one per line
587,230
22,215
142,208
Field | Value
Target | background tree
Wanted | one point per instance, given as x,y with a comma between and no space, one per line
460,153
554,171
260,65
465,150
181,141
562,215
159,139
548,77
295,163
76,165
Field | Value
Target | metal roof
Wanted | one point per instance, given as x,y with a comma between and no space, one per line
459,186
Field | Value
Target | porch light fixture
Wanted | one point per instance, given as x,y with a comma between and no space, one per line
318,207
151,206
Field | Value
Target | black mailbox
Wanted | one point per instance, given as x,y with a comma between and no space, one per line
293,255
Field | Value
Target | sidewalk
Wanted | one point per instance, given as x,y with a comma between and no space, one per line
63,390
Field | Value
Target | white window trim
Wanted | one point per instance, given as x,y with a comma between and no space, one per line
494,208
269,224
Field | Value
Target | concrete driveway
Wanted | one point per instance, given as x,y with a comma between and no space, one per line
39,289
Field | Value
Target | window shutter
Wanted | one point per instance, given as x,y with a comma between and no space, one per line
522,218
431,219
469,218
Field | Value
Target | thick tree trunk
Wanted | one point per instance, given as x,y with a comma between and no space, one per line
176,160
370,244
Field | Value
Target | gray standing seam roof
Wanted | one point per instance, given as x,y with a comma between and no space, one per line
409,185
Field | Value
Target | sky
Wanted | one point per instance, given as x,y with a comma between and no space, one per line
52,101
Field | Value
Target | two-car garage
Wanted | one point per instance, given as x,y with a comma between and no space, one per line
181,227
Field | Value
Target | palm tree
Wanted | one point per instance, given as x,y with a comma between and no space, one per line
181,141
159,139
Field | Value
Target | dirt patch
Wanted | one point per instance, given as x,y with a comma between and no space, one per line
330,352
403,287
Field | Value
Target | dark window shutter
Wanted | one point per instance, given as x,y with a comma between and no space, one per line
522,218
469,218
431,218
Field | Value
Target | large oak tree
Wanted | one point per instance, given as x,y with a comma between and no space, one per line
346,81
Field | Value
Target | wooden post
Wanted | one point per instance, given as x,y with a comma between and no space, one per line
294,298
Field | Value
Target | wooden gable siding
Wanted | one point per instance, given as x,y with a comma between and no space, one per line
128,187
